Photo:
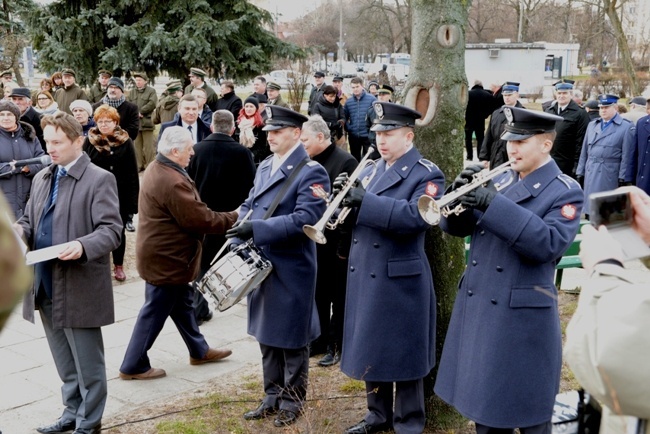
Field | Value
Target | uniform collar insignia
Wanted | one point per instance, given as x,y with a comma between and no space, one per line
289,167
405,168
536,186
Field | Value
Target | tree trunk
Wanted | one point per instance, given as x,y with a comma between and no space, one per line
623,47
437,88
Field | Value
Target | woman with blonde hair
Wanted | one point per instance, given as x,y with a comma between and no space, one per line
45,103
111,148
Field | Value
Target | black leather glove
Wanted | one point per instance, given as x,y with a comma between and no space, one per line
244,231
479,198
354,197
338,183
621,182
581,180
466,176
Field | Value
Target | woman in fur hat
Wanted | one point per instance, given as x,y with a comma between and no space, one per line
110,148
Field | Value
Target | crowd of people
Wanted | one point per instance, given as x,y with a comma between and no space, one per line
223,169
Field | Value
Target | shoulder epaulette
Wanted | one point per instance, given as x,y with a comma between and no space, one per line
428,164
568,181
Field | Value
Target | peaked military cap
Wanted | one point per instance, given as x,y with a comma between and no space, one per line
198,72
8,72
564,84
384,88
104,72
391,116
173,86
524,123
280,117
142,75
510,87
605,100
273,86
68,71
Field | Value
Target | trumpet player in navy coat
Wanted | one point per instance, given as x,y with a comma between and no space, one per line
282,312
502,357
390,309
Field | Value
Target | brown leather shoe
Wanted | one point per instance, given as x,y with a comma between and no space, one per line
151,374
213,355
118,272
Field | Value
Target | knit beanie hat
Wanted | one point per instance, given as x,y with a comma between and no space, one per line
8,106
251,99
82,104
114,81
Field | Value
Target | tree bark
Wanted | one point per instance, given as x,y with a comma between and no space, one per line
623,47
437,88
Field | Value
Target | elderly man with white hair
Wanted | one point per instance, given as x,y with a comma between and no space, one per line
173,221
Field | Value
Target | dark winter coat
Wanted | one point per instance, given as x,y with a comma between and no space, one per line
33,118
480,103
638,167
282,311
570,135
389,331
230,102
129,117
332,114
493,148
18,145
502,356
115,153
65,95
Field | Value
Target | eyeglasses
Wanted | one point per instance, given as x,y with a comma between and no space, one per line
105,122
43,99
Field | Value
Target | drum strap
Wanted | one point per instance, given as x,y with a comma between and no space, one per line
284,189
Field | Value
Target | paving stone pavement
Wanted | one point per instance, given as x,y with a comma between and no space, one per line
30,387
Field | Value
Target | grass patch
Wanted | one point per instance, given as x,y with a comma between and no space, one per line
352,386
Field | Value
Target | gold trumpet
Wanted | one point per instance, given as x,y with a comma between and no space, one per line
317,231
431,210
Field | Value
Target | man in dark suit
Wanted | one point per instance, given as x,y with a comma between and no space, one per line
282,312
332,256
571,132
493,150
223,172
638,164
128,111
188,108
23,99
502,358
72,205
479,107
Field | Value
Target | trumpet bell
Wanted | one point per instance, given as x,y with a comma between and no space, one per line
315,234
429,210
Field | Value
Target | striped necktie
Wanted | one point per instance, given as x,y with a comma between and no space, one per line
55,191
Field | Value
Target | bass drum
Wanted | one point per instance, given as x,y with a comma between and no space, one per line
235,275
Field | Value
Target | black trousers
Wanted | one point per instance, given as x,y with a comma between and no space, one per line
330,300
477,130
407,416
358,146
285,376
118,254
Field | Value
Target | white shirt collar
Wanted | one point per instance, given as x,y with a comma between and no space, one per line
277,162
68,166
194,129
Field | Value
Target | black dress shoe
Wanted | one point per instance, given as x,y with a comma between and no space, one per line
208,317
285,418
329,359
260,412
95,430
56,427
364,427
129,226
